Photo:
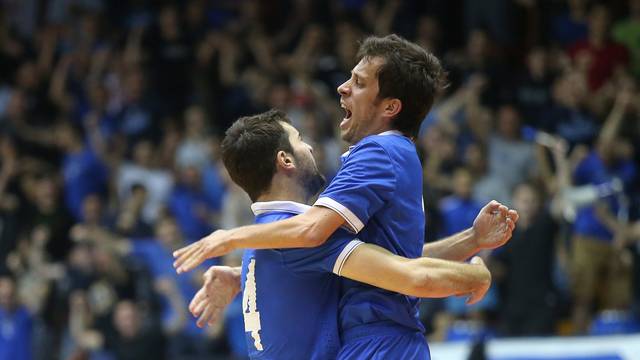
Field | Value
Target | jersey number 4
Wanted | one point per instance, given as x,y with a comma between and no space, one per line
249,310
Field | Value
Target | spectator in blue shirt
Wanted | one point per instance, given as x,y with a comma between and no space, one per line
458,210
191,205
595,260
84,172
16,327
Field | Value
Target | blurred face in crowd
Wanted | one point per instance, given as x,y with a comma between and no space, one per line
477,44
570,89
126,319
92,209
143,153
307,170
65,137
195,123
7,293
599,21
46,192
359,99
509,122
168,233
462,183
475,159
527,202
537,62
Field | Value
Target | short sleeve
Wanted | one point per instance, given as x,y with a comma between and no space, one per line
366,181
327,258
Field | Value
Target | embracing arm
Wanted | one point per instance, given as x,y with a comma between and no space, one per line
421,277
309,229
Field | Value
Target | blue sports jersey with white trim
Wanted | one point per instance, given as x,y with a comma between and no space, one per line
290,296
378,191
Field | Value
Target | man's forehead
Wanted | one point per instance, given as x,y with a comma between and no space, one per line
367,66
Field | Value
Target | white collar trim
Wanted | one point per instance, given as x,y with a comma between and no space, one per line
288,206
391,132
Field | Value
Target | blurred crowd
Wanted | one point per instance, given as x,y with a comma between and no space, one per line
111,114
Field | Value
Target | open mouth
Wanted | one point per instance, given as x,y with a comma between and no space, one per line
347,112
347,117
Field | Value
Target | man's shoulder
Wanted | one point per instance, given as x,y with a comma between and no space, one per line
387,144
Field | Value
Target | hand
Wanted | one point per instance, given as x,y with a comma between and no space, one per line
494,225
215,244
221,285
484,285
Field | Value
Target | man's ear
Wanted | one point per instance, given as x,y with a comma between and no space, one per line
285,160
392,107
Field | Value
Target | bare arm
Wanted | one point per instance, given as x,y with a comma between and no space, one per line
457,247
310,229
422,277
368,263
492,228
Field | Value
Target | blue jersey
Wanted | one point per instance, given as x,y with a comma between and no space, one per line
290,296
380,185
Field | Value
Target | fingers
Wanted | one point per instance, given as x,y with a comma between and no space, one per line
187,259
513,215
204,318
510,224
179,252
198,302
183,254
491,207
503,210
192,262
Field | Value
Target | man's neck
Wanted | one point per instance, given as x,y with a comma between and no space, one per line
285,190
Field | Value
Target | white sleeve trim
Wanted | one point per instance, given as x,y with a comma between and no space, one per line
344,255
355,224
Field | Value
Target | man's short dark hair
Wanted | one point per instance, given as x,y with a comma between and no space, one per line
249,150
409,73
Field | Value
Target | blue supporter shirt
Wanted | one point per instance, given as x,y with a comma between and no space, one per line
84,174
159,261
290,296
593,171
16,329
380,186
457,214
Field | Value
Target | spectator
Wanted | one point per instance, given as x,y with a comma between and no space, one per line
597,55
17,324
134,340
194,211
526,266
142,170
459,210
511,158
570,26
593,251
84,172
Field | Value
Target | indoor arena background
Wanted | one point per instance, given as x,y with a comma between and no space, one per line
111,115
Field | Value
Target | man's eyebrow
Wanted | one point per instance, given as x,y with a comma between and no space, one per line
358,74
